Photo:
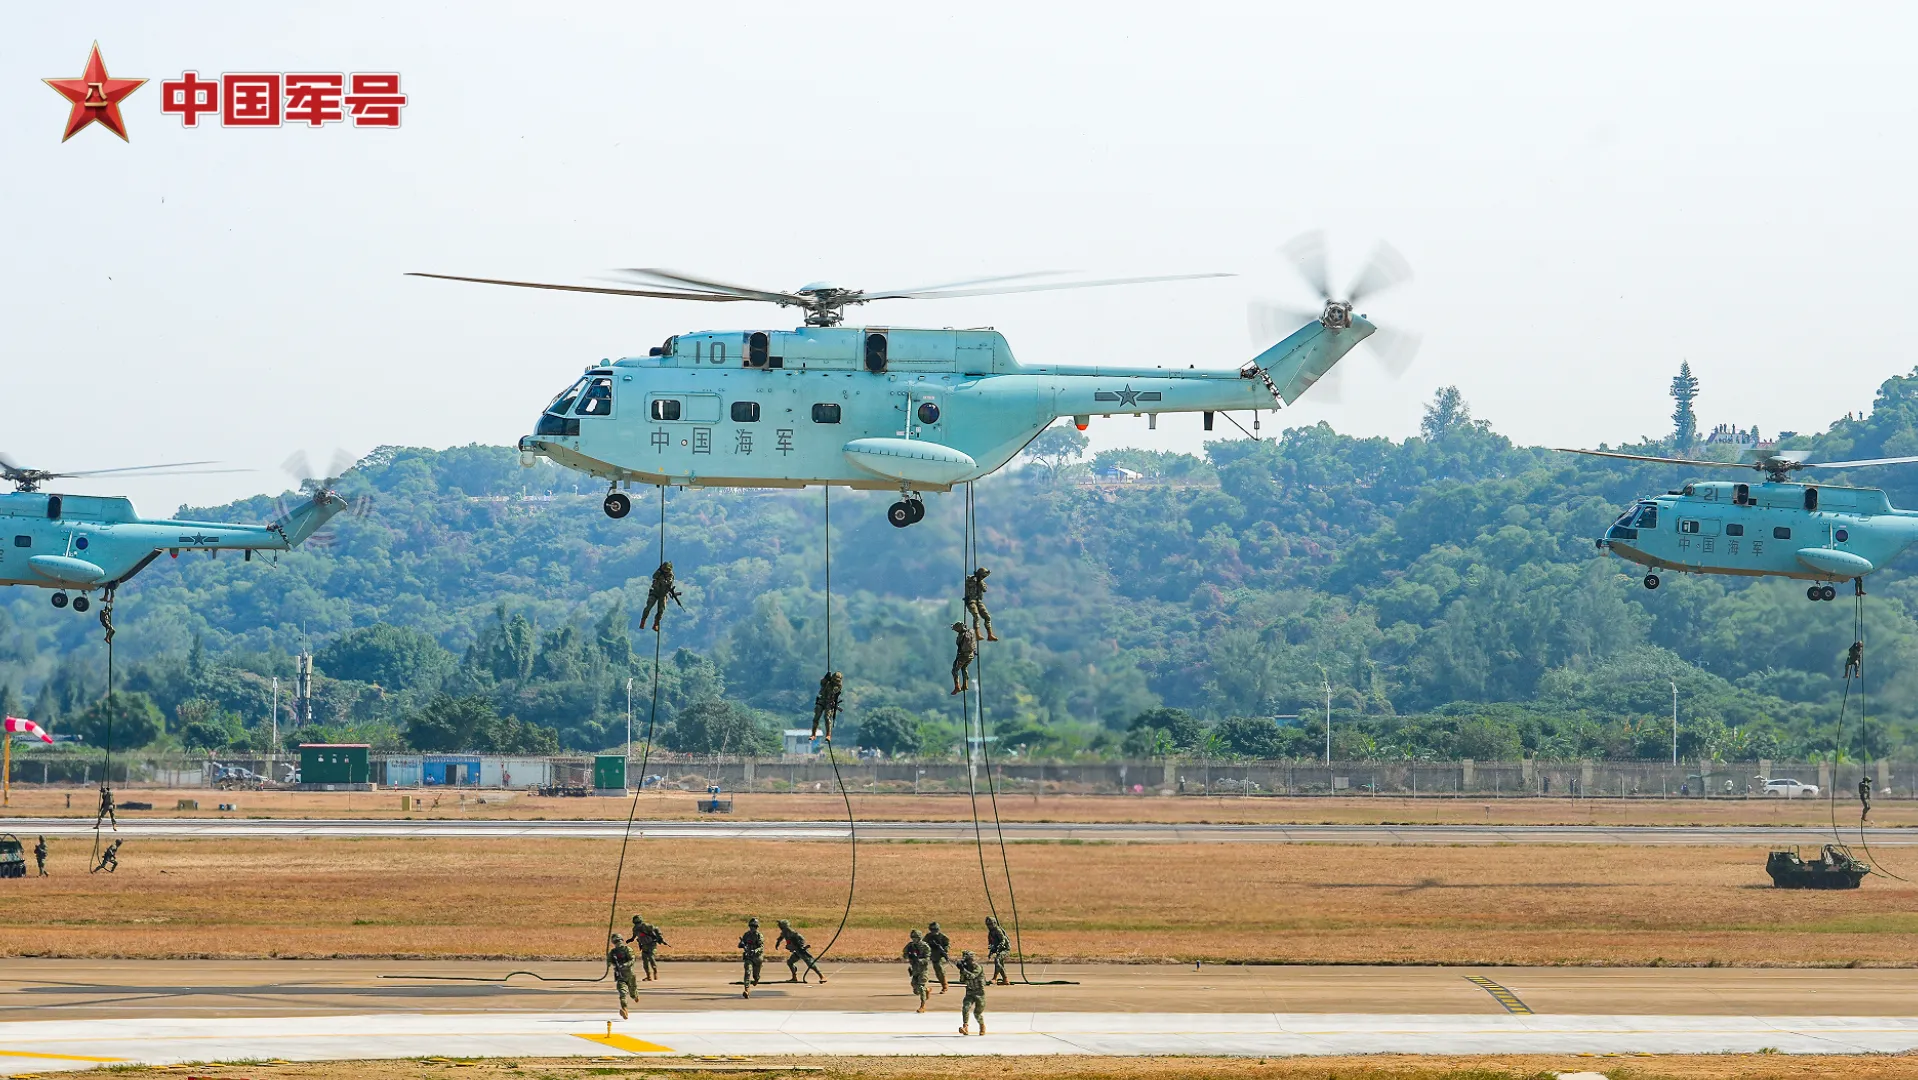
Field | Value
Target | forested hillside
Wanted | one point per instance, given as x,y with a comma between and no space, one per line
1445,587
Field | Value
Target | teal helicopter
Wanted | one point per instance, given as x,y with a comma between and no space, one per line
94,543
1775,528
884,407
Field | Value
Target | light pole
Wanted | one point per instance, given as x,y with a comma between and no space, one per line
1328,716
1674,722
629,718
275,747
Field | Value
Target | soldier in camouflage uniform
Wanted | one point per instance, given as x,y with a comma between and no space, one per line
825,707
941,947
40,854
661,591
752,950
975,1003
1864,796
976,602
998,947
796,953
620,956
649,938
965,647
918,959
109,859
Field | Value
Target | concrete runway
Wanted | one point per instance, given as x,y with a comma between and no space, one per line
961,831
66,1014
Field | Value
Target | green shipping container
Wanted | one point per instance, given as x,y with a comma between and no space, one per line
334,763
609,772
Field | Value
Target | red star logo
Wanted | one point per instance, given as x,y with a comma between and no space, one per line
95,97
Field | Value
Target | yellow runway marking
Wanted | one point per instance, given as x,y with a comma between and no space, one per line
57,1057
1501,995
627,1043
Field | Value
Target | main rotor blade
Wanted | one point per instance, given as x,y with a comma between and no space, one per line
142,468
1396,349
1856,464
298,465
742,291
660,294
1387,268
900,294
1270,323
941,294
1660,460
1307,252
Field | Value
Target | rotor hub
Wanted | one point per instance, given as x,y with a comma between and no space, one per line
1337,315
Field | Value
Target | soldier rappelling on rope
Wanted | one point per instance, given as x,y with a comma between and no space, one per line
976,603
1864,797
109,859
1855,660
661,590
965,647
825,707
105,814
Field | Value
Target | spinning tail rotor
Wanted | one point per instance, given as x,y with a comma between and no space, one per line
1270,322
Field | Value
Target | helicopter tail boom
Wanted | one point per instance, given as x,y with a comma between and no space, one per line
296,525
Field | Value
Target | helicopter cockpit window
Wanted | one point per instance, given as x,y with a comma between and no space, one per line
1741,494
1647,518
665,409
564,402
876,353
598,398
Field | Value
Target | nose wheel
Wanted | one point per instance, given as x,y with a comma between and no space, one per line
617,505
907,511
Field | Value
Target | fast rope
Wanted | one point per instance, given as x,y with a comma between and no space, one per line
619,873
1851,674
105,813
971,557
852,827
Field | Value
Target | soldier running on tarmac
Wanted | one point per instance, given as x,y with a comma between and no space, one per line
974,1006
825,707
965,647
752,952
620,956
918,957
661,590
40,855
941,947
976,603
796,953
1864,796
649,938
998,947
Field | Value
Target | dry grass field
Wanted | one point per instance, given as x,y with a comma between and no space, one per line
1128,902
1379,1067
1344,810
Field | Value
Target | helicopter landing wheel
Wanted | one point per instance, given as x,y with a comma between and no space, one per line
1827,593
901,515
1651,581
60,599
81,603
617,505
1814,593
918,508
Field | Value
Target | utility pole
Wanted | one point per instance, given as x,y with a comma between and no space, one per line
1675,723
629,718
275,747
1328,715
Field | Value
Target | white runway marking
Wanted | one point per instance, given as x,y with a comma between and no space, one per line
79,1044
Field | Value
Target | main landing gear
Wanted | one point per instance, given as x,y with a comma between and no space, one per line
910,510
1651,581
80,603
617,505
1821,592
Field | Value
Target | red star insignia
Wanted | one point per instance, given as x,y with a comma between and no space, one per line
95,97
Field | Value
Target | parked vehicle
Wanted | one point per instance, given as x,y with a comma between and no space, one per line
1787,788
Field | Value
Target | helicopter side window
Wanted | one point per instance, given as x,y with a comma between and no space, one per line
1647,518
1811,498
876,353
1687,526
53,508
665,409
23,540
562,404
1741,494
745,412
1734,529
598,398
825,413
1780,532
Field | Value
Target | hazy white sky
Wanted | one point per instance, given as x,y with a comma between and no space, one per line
1588,196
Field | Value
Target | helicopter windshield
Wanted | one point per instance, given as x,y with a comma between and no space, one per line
564,402
1647,517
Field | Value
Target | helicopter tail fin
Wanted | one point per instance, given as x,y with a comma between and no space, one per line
306,519
1308,354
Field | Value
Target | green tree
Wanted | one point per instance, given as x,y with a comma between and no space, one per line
133,718
204,725
1056,447
1445,413
720,727
1684,421
448,723
1251,736
1181,729
891,729
393,657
